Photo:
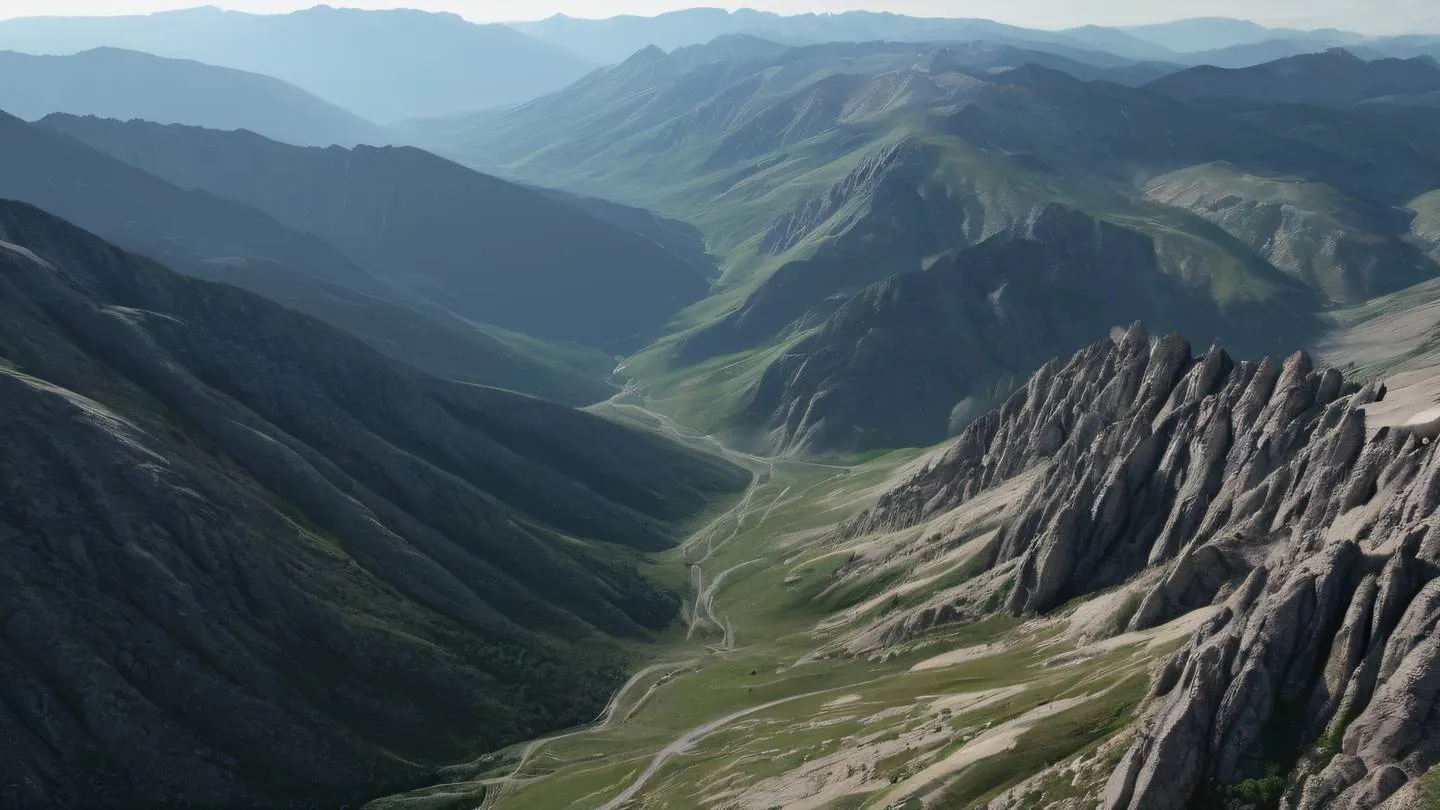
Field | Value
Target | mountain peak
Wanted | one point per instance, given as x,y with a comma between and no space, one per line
648,55
1343,54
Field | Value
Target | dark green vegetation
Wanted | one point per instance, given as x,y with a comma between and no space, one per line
249,562
114,83
844,186
488,250
383,65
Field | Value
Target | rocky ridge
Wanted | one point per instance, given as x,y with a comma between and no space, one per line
1252,488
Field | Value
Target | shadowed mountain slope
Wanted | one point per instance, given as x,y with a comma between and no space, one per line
485,248
973,324
251,564
220,240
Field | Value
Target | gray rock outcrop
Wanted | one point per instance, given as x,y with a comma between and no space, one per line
1254,487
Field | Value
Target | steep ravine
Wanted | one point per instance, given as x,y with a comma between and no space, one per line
1254,487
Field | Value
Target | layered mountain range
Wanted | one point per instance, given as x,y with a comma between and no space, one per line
1209,41
883,160
383,65
125,85
338,253
487,249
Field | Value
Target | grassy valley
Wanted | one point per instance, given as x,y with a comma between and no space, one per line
753,703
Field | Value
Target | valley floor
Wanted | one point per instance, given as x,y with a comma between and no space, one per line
752,703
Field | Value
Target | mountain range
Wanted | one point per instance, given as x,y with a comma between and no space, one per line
1221,41
718,410
382,65
1336,78
839,166
391,66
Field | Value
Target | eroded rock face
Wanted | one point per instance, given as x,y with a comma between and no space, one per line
1253,486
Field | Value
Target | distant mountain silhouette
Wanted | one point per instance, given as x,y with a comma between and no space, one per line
614,39
1216,33
383,65
1336,78
487,249
121,84
1219,41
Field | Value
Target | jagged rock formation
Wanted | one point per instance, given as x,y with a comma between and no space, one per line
1253,486
247,562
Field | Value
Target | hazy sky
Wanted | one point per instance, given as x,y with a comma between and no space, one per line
1374,16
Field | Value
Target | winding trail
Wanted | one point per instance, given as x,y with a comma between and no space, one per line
703,611
602,721
705,604
687,741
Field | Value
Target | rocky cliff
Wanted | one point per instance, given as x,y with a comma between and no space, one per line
1257,490
247,562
